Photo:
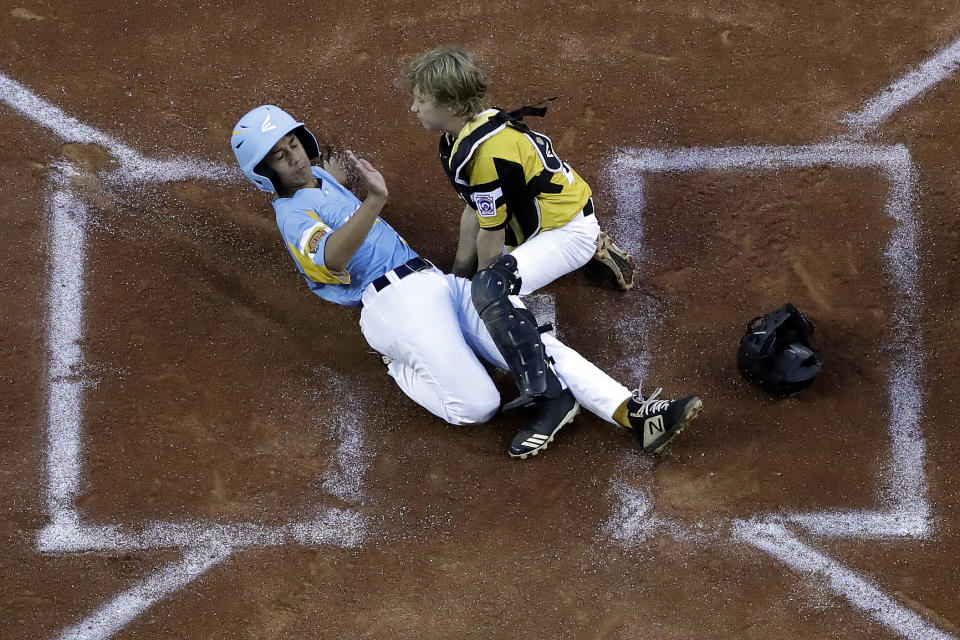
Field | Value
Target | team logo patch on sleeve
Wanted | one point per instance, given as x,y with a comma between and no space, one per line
310,238
314,241
486,205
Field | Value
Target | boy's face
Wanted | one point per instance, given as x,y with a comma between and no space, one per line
432,116
289,160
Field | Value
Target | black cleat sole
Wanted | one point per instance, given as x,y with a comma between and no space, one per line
567,419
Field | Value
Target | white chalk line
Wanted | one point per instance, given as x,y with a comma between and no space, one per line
344,478
128,605
902,91
634,520
634,330
333,526
843,154
543,306
776,540
66,295
65,319
133,166
867,525
68,218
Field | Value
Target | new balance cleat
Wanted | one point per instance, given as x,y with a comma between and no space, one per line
656,422
552,414
613,262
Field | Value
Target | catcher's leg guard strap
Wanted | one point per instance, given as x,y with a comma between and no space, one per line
514,331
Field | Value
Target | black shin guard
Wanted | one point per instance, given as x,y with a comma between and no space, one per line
514,331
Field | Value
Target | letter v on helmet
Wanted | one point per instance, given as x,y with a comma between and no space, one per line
267,125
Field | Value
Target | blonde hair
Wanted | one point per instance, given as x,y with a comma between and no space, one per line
453,77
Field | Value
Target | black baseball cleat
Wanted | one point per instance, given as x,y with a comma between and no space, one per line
552,414
656,422
613,263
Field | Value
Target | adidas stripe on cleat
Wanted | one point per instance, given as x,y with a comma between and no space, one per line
552,415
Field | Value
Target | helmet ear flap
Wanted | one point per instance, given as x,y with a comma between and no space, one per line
797,325
266,172
798,366
309,142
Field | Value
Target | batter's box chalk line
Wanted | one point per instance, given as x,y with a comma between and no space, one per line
204,544
906,513
904,510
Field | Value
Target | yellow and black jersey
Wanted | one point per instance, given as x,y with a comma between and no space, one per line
512,176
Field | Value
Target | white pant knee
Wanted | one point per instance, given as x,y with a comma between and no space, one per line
477,411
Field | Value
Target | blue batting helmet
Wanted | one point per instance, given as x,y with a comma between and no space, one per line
257,132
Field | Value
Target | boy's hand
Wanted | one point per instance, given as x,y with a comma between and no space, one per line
372,180
332,166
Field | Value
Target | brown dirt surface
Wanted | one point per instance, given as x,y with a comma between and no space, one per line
218,386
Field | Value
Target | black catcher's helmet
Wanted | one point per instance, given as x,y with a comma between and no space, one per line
776,354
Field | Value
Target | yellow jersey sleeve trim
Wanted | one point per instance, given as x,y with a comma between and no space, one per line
316,272
494,223
484,172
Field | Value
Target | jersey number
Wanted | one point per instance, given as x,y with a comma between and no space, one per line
550,158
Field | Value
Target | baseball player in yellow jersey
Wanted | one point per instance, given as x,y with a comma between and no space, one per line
520,196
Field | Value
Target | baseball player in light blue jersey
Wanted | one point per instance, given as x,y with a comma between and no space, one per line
307,222
426,322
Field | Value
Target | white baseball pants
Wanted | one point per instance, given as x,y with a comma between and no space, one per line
428,324
554,253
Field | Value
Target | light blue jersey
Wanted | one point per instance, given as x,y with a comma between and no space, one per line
306,222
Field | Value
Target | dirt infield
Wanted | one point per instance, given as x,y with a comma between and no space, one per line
194,446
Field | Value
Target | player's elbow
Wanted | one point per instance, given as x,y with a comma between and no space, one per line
335,257
335,266
464,268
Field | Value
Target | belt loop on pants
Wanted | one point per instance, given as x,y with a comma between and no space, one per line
410,266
